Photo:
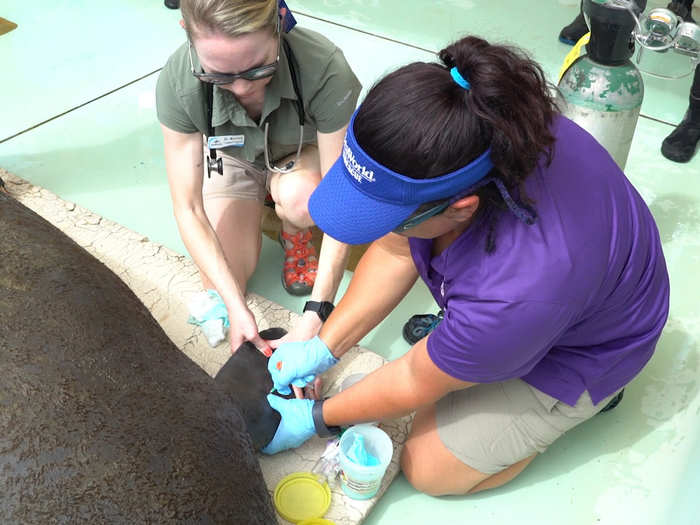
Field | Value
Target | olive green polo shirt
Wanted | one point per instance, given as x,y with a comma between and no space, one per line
329,88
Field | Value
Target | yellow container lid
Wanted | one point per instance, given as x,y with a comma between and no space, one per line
299,497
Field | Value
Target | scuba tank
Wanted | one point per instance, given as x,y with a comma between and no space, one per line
602,91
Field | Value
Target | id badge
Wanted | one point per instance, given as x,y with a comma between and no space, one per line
225,141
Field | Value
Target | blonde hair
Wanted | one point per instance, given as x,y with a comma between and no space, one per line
229,17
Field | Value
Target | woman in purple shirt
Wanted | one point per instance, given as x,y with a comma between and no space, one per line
545,260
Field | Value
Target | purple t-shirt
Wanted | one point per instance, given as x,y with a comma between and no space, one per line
574,302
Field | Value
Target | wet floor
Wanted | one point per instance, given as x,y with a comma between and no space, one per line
78,117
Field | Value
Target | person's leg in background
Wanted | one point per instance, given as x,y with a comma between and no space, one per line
682,8
575,30
291,192
681,144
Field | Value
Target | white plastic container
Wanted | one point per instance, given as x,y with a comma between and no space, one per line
360,481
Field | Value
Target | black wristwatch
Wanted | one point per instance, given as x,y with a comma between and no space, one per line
322,308
321,428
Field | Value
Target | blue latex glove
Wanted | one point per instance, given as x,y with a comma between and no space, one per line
296,425
300,362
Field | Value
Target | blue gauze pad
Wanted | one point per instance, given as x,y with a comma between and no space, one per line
358,453
217,311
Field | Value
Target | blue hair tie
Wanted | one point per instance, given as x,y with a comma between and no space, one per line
459,79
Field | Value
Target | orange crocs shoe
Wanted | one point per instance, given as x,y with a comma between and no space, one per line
300,262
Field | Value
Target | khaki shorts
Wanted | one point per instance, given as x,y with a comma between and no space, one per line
241,180
492,426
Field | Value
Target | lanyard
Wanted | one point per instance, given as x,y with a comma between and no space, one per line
216,164
213,163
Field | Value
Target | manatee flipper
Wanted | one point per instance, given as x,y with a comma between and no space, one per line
246,379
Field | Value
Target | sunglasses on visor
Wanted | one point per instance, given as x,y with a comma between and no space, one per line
422,214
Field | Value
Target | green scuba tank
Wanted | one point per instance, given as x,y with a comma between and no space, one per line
602,91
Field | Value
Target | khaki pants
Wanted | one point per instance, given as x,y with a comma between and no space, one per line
492,426
241,180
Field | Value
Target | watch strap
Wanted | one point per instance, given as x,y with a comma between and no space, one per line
322,308
321,428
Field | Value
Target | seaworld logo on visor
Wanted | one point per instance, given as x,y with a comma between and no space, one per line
357,170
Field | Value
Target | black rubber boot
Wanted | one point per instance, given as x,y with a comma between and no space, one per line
172,4
681,144
613,402
682,9
575,30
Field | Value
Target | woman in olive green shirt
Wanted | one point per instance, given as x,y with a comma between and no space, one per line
234,83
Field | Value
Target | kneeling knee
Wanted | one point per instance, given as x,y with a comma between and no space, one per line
294,202
420,476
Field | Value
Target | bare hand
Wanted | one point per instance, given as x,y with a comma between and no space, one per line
311,391
244,328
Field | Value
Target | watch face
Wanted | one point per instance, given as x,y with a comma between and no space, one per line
326,309
323,309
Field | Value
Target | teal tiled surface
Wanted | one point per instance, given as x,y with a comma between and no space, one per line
113,165
638,464
65,53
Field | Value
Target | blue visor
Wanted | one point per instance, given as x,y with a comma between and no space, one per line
359,200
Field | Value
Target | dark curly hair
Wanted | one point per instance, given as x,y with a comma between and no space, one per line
418,122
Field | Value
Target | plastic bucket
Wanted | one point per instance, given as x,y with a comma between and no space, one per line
361,481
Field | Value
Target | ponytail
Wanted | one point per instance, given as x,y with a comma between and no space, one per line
418,121
510,95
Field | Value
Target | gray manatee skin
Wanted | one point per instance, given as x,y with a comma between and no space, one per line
102,418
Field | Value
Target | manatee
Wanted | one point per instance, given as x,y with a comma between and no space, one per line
102,418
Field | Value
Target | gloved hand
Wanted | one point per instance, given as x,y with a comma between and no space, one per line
296,425
298,363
